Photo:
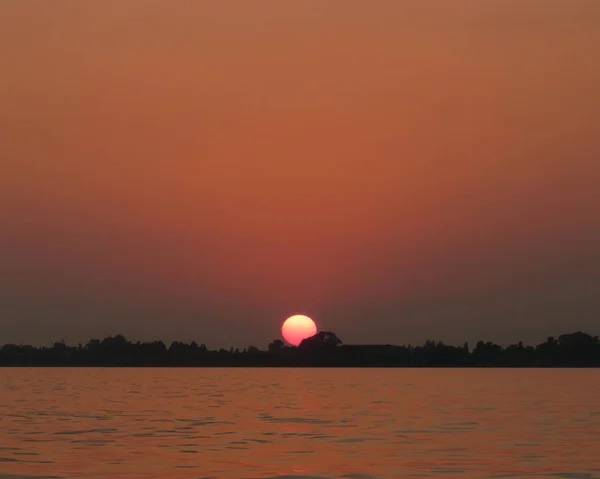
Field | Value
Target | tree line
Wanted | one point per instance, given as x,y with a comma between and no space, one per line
324,349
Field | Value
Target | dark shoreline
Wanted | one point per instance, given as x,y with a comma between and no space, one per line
324,350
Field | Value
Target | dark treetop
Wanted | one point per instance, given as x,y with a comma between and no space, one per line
322,350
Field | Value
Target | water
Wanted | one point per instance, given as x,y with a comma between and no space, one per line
264,423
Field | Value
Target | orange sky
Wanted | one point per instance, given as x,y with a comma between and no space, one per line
397,170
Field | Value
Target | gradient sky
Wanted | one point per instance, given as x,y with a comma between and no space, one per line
398,171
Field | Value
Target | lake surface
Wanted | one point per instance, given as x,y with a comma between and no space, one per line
265,423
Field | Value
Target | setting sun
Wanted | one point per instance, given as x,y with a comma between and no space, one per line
297,328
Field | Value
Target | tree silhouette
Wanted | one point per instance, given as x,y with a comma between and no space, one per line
323,339
276,346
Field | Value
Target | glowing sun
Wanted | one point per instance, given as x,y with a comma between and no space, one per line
298,327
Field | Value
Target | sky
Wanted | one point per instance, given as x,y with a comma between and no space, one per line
398,171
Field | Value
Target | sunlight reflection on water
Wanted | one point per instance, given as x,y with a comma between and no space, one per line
299,423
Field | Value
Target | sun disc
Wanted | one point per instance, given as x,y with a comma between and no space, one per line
297,328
